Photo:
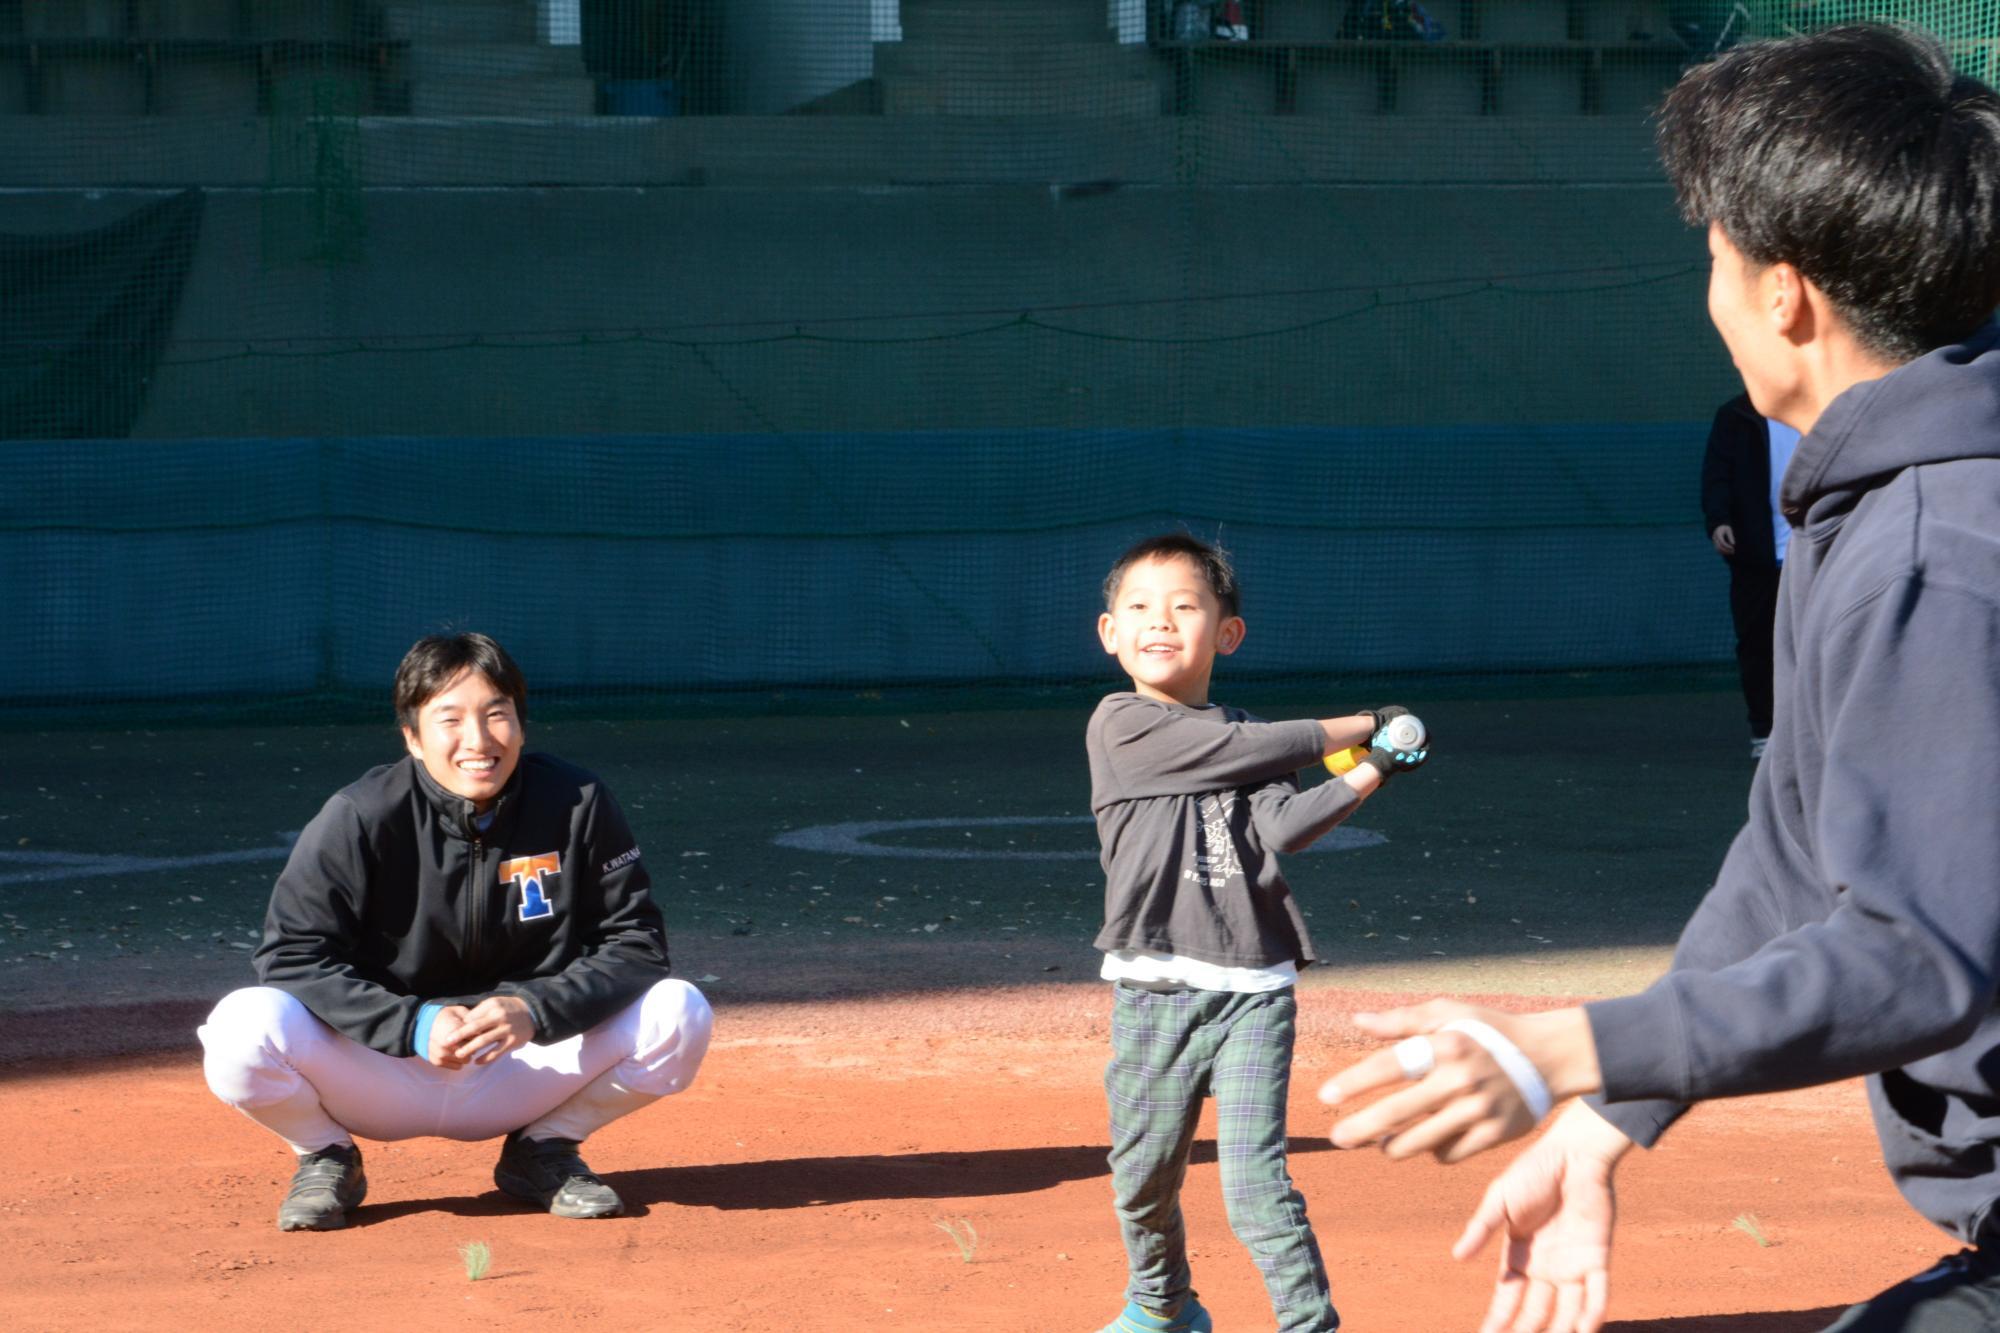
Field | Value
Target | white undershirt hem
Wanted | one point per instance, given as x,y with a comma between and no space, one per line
1144,966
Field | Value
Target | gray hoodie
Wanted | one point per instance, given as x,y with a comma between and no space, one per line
1854,927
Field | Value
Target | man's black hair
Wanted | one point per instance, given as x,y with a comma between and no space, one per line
1859,157
1210,559
436,660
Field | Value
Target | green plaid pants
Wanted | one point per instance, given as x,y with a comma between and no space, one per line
1169,1049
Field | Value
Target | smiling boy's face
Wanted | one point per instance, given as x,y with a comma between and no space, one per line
1165,627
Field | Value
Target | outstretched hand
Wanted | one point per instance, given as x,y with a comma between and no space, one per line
1556,1206
1467,1102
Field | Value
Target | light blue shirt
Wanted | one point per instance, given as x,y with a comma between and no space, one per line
1783,440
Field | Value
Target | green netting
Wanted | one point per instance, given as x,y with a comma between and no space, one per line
694,345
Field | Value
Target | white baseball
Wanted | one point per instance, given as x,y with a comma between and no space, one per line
1405,732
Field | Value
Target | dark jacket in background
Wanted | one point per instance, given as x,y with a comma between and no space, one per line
1736,482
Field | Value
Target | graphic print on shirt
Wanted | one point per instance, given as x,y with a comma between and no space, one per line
532,873
1215,859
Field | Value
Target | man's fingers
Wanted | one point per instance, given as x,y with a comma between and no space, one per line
1535,1307
1508,1289
1487,1134
1412,1019
471,1039
1596,1299
1485,1220
1380,1070
1569,1304
1437,1132
1390,1115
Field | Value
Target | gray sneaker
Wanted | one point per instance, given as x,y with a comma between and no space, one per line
550,1173
328,1184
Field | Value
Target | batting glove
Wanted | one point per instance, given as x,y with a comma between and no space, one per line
1389,760
1379,717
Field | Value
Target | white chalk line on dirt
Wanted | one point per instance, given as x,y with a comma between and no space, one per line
855,839
47,867
847,839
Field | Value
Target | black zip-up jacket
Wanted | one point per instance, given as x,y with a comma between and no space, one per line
393,898
1736,482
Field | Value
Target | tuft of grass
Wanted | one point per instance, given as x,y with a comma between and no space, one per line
478,1257
963,1236
1748,1224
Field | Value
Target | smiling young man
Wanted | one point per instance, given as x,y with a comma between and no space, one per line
1849,182
463,944
1201,933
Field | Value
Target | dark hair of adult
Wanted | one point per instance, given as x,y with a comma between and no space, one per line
436,660
1859,157
1210,559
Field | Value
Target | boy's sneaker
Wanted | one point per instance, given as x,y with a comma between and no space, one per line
326,1186
549,1172
1136,1318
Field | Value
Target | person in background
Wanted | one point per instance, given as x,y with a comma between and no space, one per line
1740,475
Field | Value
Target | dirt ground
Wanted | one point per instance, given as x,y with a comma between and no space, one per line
909,1038
806,1179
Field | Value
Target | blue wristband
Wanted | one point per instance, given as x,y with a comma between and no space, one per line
421,1038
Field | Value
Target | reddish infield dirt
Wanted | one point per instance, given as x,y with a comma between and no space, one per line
801,1184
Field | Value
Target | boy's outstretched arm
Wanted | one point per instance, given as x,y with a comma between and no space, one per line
1290,820
1157,750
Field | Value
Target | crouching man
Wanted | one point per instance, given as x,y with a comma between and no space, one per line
463,944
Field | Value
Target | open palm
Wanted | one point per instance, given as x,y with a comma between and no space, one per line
1555,1206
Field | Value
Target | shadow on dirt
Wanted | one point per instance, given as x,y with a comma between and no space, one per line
1772,1321
805,1182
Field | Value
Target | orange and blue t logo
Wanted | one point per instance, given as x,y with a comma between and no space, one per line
531,873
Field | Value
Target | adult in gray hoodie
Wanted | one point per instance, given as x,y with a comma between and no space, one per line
1850,184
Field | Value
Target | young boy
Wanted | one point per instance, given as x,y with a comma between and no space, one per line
462,944
1201,933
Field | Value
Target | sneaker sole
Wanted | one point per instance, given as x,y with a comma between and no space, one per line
335,1221
585,1214
517,1188
332,1222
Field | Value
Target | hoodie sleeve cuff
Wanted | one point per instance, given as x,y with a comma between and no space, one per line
1639,1053
1642,1122
420,1036
1638,1059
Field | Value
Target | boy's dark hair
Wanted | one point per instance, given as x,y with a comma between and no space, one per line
436,660
1210,559
1857,156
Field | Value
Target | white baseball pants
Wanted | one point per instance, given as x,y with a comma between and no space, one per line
269,1057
